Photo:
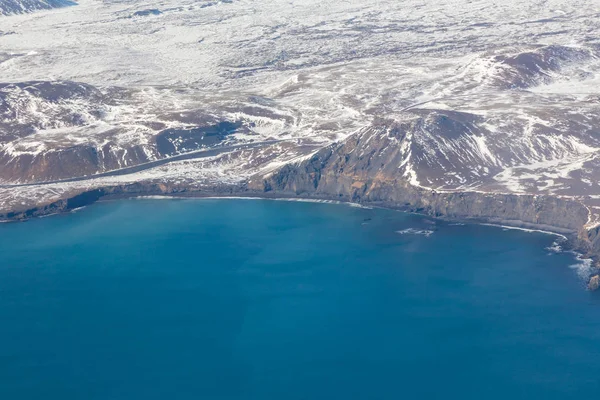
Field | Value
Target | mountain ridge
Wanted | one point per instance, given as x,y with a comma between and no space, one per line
12,7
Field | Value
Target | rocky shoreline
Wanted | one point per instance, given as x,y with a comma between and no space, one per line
545,213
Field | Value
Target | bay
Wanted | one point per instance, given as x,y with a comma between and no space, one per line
240,299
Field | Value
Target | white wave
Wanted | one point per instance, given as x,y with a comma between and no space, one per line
414,231
292,199
321,201
155,197
307,200
508,227
585,267
224,198
555,247
48,215
357,205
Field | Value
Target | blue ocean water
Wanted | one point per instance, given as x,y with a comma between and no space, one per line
234,299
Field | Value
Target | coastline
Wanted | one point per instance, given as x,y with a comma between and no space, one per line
87,198
571,241
350,204
515,228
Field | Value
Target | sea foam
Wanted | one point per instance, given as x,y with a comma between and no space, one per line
414,231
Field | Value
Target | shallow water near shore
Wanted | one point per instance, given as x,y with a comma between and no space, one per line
252,299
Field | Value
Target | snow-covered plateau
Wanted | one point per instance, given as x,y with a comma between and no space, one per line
481,99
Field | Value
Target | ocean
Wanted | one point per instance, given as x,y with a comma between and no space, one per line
255,299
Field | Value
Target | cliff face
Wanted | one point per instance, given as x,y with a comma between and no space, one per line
78,198
590,240
369,167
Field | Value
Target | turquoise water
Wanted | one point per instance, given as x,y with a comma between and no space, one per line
234,299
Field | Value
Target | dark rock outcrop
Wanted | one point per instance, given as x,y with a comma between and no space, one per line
74,161
148,12
176,141
532,68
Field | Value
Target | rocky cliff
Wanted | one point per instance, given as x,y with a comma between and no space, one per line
367,167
